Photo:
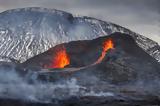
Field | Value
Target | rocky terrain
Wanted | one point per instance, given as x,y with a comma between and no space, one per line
126,76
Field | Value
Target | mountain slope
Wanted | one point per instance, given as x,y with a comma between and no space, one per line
126,72
85,52
26,32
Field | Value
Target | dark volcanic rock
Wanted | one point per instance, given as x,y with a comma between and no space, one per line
86,52
126,65
127,76
84,101
127,62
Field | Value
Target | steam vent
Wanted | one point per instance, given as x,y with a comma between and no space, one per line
51,58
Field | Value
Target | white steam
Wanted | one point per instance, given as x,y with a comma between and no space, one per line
13,86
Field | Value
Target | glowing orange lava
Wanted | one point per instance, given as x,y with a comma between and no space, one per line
107,45
60,59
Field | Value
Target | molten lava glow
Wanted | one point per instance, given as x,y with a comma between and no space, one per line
60,59
107,45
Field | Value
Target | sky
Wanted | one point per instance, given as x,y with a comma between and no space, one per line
140,16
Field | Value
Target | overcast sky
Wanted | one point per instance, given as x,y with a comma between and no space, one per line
141,16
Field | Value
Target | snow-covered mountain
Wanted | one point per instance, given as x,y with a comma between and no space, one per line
26,32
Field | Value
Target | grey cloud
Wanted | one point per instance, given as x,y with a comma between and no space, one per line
150,4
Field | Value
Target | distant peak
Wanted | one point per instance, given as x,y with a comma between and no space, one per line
37,9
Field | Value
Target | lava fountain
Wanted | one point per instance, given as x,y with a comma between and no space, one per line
107,45
60,59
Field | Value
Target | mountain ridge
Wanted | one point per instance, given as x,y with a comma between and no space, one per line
27,32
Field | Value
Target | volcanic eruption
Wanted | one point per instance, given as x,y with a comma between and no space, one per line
93,65
60,59
56,58
107,45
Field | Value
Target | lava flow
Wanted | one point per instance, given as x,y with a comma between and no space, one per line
60,59
107,45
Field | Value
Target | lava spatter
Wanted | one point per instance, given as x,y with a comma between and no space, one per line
107,45
60,59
